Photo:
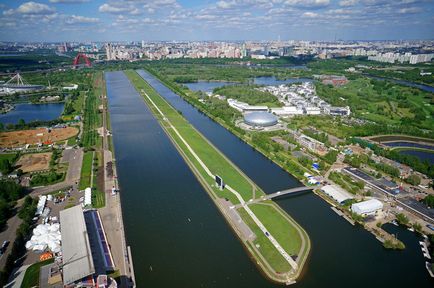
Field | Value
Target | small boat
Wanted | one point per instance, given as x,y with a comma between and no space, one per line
410,229
150,268
189,220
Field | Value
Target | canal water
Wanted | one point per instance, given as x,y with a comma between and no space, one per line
159,194
422,155
32,112
177,236
207,86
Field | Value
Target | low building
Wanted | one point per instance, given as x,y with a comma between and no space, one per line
368,207
312,110
287,110
85,250
337,193
337,111
77,257
244,107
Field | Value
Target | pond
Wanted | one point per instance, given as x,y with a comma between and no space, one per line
32,112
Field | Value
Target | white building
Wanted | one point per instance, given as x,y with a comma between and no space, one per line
312,110
337,193
287,110
244,107
368,207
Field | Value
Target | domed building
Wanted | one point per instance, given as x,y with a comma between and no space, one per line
260,118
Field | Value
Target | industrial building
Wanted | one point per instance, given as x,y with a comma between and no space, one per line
85,251
337,193
244,107
368,207
260,119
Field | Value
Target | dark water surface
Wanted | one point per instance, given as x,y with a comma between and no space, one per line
422,155
159,194
32,112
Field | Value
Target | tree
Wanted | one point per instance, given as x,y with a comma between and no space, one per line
5,166
429,200
413,179
402,219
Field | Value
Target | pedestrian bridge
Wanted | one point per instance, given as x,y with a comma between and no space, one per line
283,192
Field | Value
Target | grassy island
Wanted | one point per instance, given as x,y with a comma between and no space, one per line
280,252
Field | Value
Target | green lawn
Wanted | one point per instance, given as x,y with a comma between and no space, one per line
98,196
31,278
277,225
207,153
86,171
8,156
286,233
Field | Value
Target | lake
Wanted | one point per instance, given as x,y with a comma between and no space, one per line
32,112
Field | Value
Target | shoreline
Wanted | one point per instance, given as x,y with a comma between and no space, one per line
258,258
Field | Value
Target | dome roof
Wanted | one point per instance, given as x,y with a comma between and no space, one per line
260,118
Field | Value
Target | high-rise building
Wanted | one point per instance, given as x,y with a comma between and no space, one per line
109,51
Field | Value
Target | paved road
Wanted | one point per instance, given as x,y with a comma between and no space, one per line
75,159
9,234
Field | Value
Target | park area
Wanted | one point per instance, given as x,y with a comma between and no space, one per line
34,162
35,136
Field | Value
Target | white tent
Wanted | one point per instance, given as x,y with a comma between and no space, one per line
337,193
45,235
87,196
367,207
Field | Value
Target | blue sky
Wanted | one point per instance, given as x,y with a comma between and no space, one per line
109,20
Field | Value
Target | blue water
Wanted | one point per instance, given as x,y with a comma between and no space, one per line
339,252
408,144
32,112
207,86
422,155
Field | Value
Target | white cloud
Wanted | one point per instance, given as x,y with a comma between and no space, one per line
410,10
74,19
69,1
307,3
225,4
347,3
107,8
309,15
34,8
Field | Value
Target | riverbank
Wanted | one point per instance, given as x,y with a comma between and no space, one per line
207,161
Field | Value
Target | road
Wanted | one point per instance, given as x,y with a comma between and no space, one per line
9,234
111,214
75,159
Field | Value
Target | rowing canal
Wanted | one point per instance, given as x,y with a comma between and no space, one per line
178,237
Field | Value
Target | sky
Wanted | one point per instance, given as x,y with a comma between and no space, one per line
149,20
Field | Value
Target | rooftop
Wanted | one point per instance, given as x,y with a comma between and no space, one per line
77,256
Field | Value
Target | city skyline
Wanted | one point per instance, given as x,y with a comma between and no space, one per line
127,20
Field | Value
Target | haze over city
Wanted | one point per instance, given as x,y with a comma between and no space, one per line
127,20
